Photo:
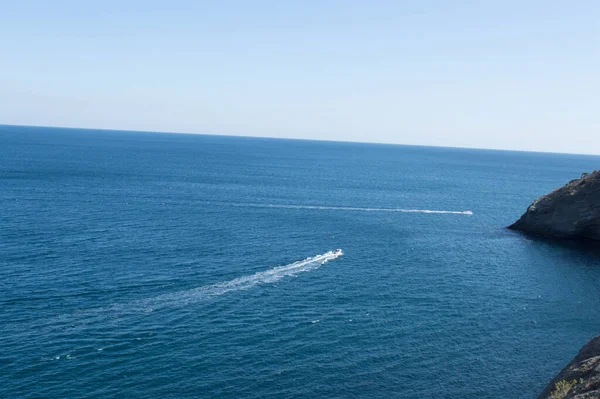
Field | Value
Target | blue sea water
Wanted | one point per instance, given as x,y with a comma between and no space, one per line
147,265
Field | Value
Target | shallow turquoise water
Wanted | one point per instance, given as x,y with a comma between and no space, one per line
153,265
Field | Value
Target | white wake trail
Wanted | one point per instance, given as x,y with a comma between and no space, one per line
84,317
241,283
346,208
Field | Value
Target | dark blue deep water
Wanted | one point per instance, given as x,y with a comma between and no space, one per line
145,265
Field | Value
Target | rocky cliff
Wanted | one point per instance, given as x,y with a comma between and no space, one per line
580,379
572,211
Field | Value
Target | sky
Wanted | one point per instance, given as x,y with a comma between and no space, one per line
504,74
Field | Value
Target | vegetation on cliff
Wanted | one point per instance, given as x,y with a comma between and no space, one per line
580,379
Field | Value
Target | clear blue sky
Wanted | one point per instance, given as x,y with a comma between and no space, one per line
488,74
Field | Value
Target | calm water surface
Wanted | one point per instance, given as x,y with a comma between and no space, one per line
153,265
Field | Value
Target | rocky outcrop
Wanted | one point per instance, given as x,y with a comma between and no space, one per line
572,211
580,379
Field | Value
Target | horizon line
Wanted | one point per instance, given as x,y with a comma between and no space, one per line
300,139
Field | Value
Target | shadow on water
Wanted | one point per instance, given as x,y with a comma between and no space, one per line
582,247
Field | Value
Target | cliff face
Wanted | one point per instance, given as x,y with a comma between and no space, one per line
580,379
572,211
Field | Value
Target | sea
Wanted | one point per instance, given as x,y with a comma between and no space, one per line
156,265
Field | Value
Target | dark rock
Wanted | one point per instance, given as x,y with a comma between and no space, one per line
583,373
572,211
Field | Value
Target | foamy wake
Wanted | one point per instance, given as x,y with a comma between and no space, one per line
241,283
194,295
345,208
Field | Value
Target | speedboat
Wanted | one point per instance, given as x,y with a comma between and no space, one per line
338,251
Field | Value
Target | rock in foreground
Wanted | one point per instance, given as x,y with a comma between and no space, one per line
572,211
580,379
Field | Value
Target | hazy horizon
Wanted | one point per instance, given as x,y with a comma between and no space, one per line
294,139
507,76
